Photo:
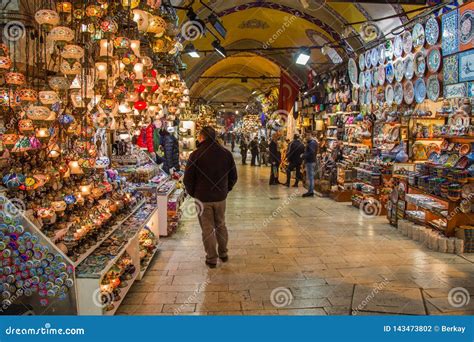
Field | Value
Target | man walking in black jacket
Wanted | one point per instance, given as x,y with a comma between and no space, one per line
293,155
209,176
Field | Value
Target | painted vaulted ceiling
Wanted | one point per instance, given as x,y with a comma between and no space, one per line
262,25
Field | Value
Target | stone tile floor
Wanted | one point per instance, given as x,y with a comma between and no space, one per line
295,256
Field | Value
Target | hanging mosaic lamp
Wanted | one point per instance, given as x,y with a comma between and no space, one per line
47,19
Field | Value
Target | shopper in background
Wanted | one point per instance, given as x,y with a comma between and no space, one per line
309,157
293,155
274,159
232,142
254,150
263,160
244,147
209,176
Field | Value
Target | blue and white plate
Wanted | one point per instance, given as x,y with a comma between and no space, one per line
361,62
389,94
389,72
398,93
409,66
374,57
408,92
368,78
381,74
420,90
352,70
361,79
420,64
398,46
389,50
381,53
432,31
368,62
375,77
433,88
418,36
399,68
434,60
407,42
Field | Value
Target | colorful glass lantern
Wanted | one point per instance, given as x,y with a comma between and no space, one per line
106,48
14,78
48,97
155,4
27,95
58,83
141,18
47,18
72,52
75,168
26,125
130,3
54,151
157,25
94,11
5,62
38,113
108,26
42,134
8,98
69,69
61,34
23,144
122,43
9,139
64,7
140,105
135,46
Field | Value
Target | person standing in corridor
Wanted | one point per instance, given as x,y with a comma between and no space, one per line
209,176
254,151
293,155
274,159
244,147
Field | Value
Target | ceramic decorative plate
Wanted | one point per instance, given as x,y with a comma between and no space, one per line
420,90
432,31
466,66
389,72
409,67
450,69
457,90
361,78
361,62
352,70
389,94
381,53
381,76
418,36
368,98
434,60
398,46
420,64
368,62
466,27
433,88
399,67
407,42
374,57
408,92
375,77
389,50
398,93
374,96
355,94
368,78
449,27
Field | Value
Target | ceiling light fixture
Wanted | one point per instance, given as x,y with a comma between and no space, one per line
303,56
191,51
217,24
219,49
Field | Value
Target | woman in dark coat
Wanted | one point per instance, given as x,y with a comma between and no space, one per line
274,159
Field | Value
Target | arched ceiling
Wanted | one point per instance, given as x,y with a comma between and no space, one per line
263,25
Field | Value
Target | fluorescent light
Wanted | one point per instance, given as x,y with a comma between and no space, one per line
194,54
254,92
303,57
191,51
219,49
217,24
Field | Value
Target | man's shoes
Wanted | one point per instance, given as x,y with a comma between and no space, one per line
224,259
308,194
211,265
